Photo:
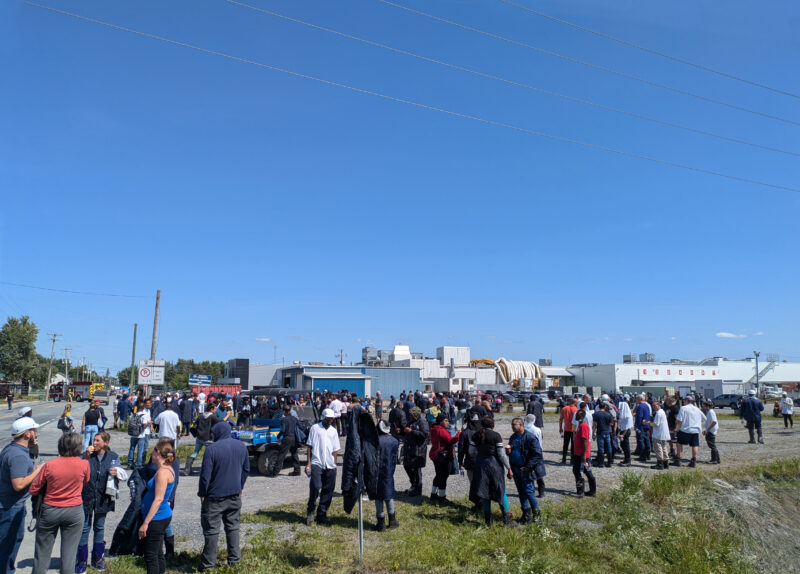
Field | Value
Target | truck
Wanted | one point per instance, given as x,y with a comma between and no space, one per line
78,391
207,389
261,439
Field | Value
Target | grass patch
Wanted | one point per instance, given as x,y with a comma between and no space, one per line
669,523
182,452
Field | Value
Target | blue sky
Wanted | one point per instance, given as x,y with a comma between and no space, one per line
266,206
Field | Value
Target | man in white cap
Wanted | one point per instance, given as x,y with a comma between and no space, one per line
33,450
750,411
17,472
787,408
322,447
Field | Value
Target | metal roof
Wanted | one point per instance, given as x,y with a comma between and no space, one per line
336,376
556,372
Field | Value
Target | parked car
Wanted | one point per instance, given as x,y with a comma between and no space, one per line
509,398
727,401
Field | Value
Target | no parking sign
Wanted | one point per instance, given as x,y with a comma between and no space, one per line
151,372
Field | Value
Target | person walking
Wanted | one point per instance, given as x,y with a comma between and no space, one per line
710,431
139,427
10,399
624,426
488,482
466,461
565,427
206,420
104,465
415,448
225,468
787,408
524,455
661,437
62,480
322,448
750,411
442,455
168,421
581,454
387,460
288,438
17,473
689,424
156,511
66,423
90,424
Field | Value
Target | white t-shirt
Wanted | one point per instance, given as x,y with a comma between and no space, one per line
589,418
168,422
787,406
711,418
691,418
660,425
337,406
144,415
323,442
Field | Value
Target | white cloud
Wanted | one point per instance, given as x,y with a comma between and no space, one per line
299,339
673,338
758,333
627,339
725,335
263,339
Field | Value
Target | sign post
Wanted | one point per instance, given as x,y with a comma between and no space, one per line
200,379
151,372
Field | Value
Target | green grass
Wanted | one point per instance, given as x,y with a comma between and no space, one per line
669,523
183,451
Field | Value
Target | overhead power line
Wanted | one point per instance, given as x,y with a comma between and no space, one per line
417,104
67,290
512,82
650,50
589,64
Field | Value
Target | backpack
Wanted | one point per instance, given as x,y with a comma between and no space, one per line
300,432
135,426
62,424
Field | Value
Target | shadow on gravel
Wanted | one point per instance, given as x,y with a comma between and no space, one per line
283,516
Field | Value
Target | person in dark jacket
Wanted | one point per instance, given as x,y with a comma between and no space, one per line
524,454
124,409
536,408
488,482
226,465
415,446
186,409
465,459
103,463
288,436
397,420
205,422
387,460
750,411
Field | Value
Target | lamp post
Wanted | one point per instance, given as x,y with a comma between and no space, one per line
758,386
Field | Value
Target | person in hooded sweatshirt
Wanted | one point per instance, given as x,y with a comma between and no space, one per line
226,465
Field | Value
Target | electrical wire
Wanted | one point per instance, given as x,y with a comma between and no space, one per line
512,82
417,104
650,50
590,65
75,292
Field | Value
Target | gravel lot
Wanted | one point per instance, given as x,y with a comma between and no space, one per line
261,492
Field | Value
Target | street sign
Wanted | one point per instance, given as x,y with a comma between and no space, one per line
151,372
199,379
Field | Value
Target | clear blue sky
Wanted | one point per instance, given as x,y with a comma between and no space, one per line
269,206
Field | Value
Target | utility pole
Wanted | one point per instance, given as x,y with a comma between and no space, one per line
155,327
50,367
83,365
133,360
341,357
66,359
758,386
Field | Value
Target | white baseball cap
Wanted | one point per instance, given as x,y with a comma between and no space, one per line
328,414
23,424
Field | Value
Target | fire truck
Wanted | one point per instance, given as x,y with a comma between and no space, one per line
78,391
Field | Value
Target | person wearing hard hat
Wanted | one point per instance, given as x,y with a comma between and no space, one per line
17,472
322,447
750,412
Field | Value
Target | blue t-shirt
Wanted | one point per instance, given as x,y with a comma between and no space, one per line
516,458
164,510
15,462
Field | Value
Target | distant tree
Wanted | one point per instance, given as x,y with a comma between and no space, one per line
18,357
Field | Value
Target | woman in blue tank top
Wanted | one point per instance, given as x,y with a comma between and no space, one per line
155,507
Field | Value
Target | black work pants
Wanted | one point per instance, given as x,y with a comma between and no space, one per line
442,466
288,445
414,476
322,483
787,421
154,546
580,465
625,445
213,511
565,448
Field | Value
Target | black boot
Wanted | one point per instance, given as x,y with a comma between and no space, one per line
537,516
592,486
381,525
658,465
508,519
760,437
692,463
752,436
579,489
526,516
625,462
540,484
169,544
676,461
487,517
609,459
393,521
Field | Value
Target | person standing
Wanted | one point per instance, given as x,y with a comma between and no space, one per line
488,482
103,463
378,406
90,425
524,455
10,399
624,426
169,423
337,407
62,480
206,420
642,426
139,431
415,448
565,427
538,471
750,411
397,420
124,409
387,460
17,472
322,448
787,408
710,430
288,438
65,421
661,436
689,424
226,466
156,511
536,408
187,413
581,453
603,427
442,456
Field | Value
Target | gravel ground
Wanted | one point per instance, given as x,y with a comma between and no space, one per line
261,492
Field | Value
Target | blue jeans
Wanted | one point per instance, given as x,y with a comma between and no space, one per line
644,441
524,481
604,443
140,446
12,529
99,528
88,434
198,446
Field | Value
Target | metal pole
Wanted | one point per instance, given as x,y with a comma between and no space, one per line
133,361
758,386
360,528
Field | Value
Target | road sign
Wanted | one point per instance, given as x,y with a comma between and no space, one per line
199,379
151,372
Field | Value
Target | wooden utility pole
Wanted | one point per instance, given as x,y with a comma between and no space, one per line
155,327
132,382
50,367
66,358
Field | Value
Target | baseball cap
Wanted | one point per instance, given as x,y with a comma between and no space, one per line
23,424
751,392
327,414
689,398
23,412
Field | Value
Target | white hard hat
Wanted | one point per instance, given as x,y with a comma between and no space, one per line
24,411
751,392
23,424
327,414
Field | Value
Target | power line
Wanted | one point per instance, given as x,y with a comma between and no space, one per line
67,290
650,50
512,82
590,65
417,104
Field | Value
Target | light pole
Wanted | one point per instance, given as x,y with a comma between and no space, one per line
758,387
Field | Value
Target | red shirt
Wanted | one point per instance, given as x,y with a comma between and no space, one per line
441,440
583,432
566,416
65,477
